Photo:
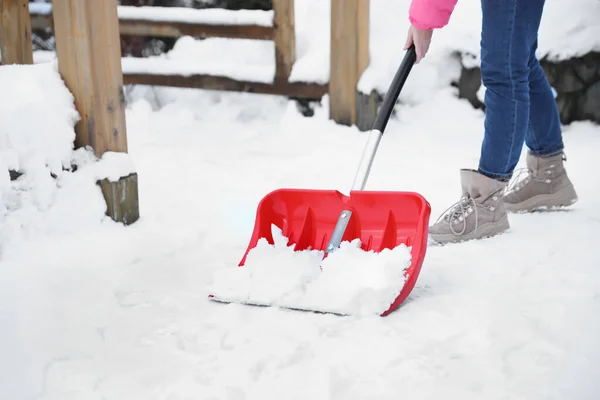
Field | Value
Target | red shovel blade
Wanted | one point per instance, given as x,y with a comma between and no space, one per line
380,219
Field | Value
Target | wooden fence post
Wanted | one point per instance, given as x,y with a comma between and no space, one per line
15,32
284,38
89,61
349,58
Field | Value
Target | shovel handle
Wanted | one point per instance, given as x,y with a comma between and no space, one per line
364,167
391,96
383,116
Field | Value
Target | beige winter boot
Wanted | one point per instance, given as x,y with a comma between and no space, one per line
546,185
479,213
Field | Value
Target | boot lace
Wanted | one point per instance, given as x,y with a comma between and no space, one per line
522,177
458,212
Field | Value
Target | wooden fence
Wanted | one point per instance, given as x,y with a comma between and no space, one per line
349,52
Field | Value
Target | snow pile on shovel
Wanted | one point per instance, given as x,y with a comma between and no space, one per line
351,282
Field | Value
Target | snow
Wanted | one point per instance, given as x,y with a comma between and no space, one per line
569,29
187,58
104,310
194,56
40,8
93,309
37,119
313,33
37,147
351,282
213,16
29,146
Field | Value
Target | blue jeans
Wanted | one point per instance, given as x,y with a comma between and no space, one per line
520,106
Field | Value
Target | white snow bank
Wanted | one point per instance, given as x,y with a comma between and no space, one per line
37,119
213,16
349,281
569,29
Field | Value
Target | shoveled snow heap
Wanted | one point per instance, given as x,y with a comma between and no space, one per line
349,281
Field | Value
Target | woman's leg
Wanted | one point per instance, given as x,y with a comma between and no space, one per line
546,184
544,136
509,33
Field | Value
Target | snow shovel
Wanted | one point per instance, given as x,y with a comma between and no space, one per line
323,219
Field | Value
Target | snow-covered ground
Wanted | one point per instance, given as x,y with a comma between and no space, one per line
90,309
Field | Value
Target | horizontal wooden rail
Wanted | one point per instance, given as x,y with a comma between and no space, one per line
177,22
302,90
178,29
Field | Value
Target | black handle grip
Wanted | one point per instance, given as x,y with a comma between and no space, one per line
389,101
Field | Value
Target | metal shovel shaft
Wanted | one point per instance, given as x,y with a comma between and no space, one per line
366,161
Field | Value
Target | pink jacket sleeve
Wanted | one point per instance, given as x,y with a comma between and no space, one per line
430,14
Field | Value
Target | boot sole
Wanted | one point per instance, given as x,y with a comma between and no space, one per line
565,197
484,231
